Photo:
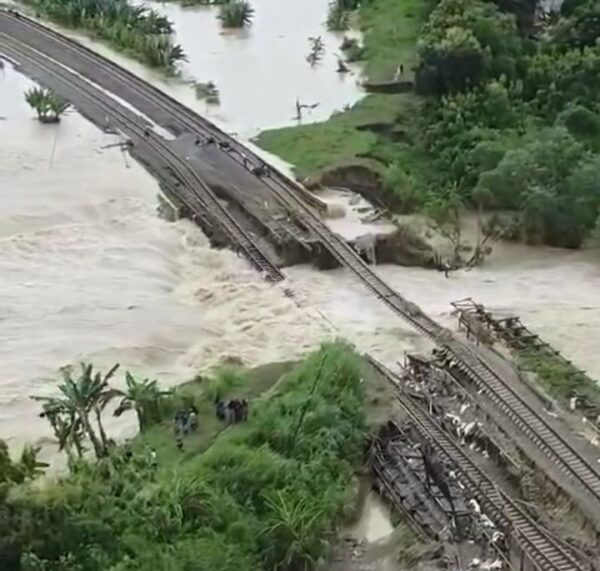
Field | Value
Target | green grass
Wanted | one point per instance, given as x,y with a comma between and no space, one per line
557,377
390,30
226,383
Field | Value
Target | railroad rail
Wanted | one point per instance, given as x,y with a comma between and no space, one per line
527,419
202,200
542,549
467,358
515,334
185,115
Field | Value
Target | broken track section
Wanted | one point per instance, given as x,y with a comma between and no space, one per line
528,541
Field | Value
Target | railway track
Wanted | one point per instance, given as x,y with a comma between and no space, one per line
529,422
286,190
203,200
544,551
185,116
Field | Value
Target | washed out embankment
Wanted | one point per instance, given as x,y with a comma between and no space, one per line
274,222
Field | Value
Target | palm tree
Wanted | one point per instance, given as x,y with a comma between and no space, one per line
67,428
79,397
48,106
142,396
236,14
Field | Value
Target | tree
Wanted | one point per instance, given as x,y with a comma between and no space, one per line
67,428
463,43
142,396
338,18
445,214
29,464
553,182
89,392
48,106
555,81
581,29
236,14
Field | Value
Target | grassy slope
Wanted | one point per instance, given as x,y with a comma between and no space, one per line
390,29
557,377
258,381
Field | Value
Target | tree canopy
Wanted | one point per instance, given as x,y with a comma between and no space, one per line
514,118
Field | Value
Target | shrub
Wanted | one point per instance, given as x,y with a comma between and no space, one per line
236,14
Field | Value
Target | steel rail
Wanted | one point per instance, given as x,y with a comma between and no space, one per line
187,117
545,552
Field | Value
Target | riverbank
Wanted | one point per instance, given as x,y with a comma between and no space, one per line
498,122
265,492
375,130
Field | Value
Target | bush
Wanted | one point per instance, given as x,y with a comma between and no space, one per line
582,123
338,19
352,49
236,14
140,30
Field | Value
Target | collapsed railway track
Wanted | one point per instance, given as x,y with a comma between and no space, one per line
544,551
569,462
193,191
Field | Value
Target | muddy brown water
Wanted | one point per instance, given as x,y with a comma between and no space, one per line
87,270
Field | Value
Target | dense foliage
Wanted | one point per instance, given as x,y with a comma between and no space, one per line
266,494
139,30
511,122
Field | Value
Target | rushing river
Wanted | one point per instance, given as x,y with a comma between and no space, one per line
88,271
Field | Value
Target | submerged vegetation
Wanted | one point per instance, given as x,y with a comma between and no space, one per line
138,30
264,495
207,91
499,119
47,105
236,13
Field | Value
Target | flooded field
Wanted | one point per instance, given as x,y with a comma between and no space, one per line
260,71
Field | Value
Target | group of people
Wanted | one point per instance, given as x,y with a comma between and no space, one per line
185,421
232,411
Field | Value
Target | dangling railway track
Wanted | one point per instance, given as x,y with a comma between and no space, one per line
24,39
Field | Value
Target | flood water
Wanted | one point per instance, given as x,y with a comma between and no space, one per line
261,70
87,270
